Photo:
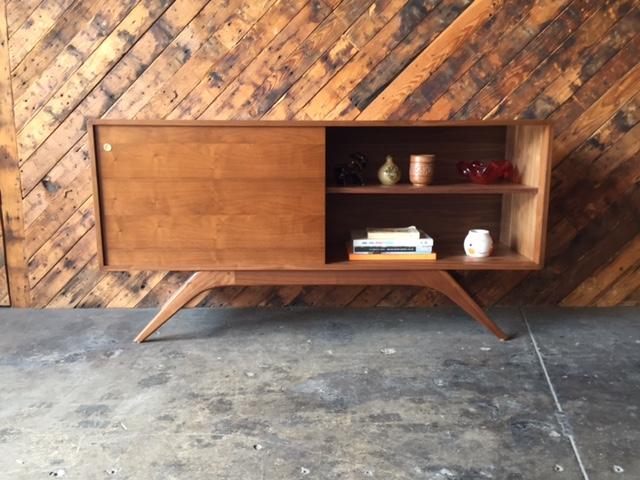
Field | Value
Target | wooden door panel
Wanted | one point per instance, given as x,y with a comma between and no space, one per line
167,134
212,231
200,197
207,259
211,161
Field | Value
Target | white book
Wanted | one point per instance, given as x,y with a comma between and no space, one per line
408,233
359,238
392,250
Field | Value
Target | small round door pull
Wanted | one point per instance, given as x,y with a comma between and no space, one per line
106,147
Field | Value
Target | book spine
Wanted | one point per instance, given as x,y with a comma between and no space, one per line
357,249
410,238
422,243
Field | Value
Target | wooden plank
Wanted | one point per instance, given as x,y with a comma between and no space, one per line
283,296
220,297
59,243
329,31
428,26
71,134
631,300
253,296
199,65
137,288
235,98
164,289
19,12
509,45
520,68
596,243
479,44
332,61
12,215
64,202
612,169
609,142
370,296
599,112
594,286
411,15
78,287
105,289
584,45
202,233
56,184
599,195
398,296
201,196
37,25
64,270
368,56
61,52
84,79
202,30
428,297
618,292
430,59
226,69
573,78
594,88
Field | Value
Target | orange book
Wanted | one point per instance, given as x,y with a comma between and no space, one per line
390,257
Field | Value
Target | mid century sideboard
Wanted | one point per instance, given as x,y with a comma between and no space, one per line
255,203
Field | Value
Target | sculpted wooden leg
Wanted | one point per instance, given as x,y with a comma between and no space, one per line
196,284
202,281
446,284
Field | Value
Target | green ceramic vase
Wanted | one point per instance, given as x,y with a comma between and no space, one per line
389,172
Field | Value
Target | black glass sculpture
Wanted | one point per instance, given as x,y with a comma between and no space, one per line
350,173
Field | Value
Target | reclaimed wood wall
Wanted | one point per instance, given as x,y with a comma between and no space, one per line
575,62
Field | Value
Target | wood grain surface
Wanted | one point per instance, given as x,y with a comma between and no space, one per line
14,286
573,62
192,197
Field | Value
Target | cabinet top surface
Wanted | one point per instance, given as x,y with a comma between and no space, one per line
313,123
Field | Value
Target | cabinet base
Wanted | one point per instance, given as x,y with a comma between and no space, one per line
439,280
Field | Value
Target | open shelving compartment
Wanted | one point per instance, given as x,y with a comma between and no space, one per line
515,214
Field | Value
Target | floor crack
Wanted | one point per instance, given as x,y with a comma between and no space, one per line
561,417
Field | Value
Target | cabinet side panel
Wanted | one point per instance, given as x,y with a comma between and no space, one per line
97,202
4,284
524,217
197,197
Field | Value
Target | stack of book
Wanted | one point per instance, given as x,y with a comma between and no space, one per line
391,244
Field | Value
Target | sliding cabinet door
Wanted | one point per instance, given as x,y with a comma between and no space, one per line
194,197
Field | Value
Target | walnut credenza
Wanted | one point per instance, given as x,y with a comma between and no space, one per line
253,203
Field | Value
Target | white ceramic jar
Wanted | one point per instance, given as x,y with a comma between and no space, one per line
478,243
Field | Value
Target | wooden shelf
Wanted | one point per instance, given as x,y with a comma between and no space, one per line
449,258
452,188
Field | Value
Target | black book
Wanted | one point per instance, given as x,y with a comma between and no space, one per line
378,249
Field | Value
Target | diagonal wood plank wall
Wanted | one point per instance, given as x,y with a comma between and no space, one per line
572,61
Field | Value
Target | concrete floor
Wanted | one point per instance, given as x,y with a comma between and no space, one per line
320,394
